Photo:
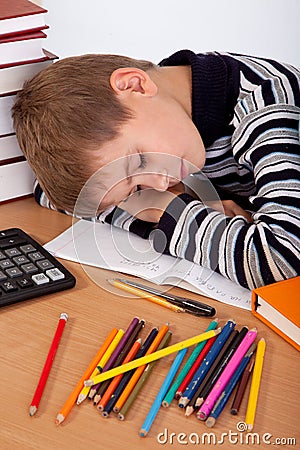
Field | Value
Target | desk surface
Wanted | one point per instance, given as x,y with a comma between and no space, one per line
28,328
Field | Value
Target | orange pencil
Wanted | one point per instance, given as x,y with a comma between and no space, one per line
116,380
138,372
74,394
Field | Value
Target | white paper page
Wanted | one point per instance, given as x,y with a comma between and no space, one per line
100,245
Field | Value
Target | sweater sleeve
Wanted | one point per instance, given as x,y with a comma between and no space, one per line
113,216
266,141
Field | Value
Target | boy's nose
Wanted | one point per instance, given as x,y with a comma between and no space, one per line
159,181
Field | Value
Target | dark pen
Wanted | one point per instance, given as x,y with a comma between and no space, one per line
190,306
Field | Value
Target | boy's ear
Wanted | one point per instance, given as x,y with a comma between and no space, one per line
127,80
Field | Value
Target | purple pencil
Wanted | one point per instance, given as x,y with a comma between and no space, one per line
133,324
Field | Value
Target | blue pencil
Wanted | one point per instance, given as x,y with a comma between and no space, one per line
224,397
206,364
161,394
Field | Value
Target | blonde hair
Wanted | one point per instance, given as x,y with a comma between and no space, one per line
63,115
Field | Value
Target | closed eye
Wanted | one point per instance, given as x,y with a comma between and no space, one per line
143,161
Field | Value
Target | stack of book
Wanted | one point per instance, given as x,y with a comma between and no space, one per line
21,57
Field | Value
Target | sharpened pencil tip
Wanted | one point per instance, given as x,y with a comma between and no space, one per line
32,410
143,433
59,419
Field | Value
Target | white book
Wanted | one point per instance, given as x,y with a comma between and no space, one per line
6,122
13,77
94,244
9,147
22,47
16,180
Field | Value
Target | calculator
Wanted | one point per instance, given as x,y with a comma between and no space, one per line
27,270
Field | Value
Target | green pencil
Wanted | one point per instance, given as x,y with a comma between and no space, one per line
181,376
129,402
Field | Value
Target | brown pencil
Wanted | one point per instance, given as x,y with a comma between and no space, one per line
241,388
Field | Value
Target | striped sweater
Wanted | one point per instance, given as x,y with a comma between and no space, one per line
247,111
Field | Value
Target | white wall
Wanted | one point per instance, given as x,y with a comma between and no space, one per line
154,29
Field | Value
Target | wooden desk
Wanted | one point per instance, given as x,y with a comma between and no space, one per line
28,328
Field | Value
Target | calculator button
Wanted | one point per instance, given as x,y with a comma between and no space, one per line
40,278
12,252
14,272
27,248
45,264
24,283
11,242
8,286
3,276
6,263
36,256
29,268
19,260
8,233
55,274
2,256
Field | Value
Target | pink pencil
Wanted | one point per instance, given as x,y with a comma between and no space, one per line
226,375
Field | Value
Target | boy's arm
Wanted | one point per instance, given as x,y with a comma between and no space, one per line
257,253
114,216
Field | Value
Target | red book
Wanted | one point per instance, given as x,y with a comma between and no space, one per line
22,47
20,16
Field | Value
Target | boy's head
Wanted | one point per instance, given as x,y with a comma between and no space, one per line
64,115
123,116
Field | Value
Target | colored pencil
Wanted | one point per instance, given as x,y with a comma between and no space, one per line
119,360
225,376
143,294
206,364
116,380
105,358
224,397
193,402
142,381
221,364
152,357
127,375
181,376
190,306
241,388
115,355
65,410
48,364
255,383
161,393
85,390
139,368
208,345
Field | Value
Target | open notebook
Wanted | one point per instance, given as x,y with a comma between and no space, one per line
95,244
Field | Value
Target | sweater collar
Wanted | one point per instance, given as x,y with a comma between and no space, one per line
213,91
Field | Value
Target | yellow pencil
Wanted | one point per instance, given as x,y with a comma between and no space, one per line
152,357
101,363
255,383
152,298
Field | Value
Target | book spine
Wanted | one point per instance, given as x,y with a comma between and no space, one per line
16,180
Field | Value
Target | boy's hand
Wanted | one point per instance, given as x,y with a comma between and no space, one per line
149,204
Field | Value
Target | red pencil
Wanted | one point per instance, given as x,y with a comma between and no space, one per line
48,364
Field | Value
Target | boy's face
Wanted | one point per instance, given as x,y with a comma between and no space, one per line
156,149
